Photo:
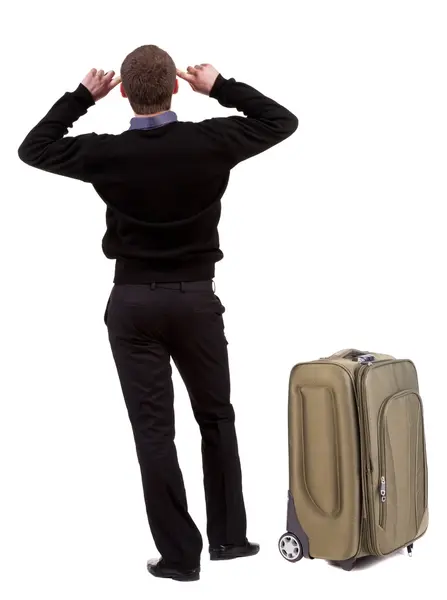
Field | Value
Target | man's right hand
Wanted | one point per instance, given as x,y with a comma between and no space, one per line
201,78
99,84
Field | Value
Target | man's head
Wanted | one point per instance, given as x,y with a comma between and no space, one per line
148,80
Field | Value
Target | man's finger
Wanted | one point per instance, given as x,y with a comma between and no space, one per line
115,82
192,70
109,75
111,81
100,73
184,76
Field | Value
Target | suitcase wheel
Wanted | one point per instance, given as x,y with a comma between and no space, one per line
290,547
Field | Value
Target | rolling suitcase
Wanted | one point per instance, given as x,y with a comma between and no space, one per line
357,459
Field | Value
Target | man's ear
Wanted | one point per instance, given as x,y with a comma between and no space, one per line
175,87
123,91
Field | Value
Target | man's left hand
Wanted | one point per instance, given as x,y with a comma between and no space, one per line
99,84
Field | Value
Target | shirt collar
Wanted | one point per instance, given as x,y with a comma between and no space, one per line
153,122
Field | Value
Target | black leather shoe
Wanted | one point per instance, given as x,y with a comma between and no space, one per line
231,551
157,568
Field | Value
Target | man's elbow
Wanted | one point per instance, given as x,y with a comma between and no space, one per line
286,126
30,154
24,154
291,124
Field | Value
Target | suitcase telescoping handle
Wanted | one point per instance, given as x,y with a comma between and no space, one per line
348,353
353,354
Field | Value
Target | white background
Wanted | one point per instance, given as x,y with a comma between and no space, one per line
335,238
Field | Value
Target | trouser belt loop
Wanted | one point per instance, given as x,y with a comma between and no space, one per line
152,287
182,287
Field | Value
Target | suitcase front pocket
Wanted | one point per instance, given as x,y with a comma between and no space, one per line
402,485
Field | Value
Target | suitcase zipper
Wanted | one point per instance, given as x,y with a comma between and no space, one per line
382,467
363,421
368,502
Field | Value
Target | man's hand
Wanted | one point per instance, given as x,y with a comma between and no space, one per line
201,77
99,84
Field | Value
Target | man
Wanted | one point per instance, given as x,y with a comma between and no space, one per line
162,182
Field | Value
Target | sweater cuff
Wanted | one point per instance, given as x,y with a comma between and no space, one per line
83,95
218,84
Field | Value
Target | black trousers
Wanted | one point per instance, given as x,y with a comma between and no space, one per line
148,326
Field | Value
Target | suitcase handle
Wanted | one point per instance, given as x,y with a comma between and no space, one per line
348,353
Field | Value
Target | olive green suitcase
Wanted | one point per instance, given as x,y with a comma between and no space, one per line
357,459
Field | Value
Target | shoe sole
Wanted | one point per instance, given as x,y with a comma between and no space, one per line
182,578
219,556
186,580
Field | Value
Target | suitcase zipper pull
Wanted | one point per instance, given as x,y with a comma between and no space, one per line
383,489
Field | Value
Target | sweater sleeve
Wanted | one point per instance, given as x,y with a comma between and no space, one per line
45,146
266,123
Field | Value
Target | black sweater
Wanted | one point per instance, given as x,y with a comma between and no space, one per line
162,187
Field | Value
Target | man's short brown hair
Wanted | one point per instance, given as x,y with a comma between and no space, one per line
148,75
